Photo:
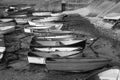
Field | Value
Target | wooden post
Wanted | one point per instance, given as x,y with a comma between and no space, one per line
63,5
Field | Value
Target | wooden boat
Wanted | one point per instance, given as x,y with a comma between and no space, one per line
34,23
53,54
76,64
47,19
110,74
112,16
41,13
21,20
6,27
47,49
6,19
2,46
32,29
55,38
68,43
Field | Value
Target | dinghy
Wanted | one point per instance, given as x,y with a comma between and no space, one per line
45,27
21,20
76,64
53,54
41,13
6,19
34,23
47,49
56,38
47,19
111,74
68,43
2,46
6,27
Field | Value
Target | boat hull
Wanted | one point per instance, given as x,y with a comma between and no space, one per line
58,49
80,65
53,54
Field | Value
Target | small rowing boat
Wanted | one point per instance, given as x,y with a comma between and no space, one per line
34,23
21,20
67,43
53,54
6,19
76,64
41,13
48,49
7,27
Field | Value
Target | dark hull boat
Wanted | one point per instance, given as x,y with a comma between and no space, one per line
76,65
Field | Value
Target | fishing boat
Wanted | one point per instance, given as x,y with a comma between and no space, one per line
6,19
67,43
47,49
21,20
41,13
53,54
110,74
76,64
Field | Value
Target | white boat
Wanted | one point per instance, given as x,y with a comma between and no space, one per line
111,74
55,38
34,23
41,13
21,20
6,27
112,16
59,43
76,64
45,27
2,46
58,49
56,14
6,19
48,19
59,37
53,54
18,15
